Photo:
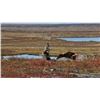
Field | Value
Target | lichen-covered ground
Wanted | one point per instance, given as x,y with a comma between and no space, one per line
22,68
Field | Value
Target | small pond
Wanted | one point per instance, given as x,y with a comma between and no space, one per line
82,39
26,56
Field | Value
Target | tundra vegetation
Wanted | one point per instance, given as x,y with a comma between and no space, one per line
31,39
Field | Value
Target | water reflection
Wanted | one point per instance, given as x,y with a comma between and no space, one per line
26,56
95,39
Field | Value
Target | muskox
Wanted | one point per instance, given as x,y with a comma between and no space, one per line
70,55
46,52
46,55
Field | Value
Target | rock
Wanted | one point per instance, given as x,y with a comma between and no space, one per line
81,57
64,59
51,70
73,75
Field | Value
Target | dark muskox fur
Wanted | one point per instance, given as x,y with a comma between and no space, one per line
70,55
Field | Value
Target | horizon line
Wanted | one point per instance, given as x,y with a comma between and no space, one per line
50,23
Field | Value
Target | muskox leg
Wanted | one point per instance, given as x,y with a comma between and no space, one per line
59,56
48,58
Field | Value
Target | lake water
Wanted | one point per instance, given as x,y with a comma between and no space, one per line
85,39
26,56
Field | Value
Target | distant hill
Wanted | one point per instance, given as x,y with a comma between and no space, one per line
49,27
